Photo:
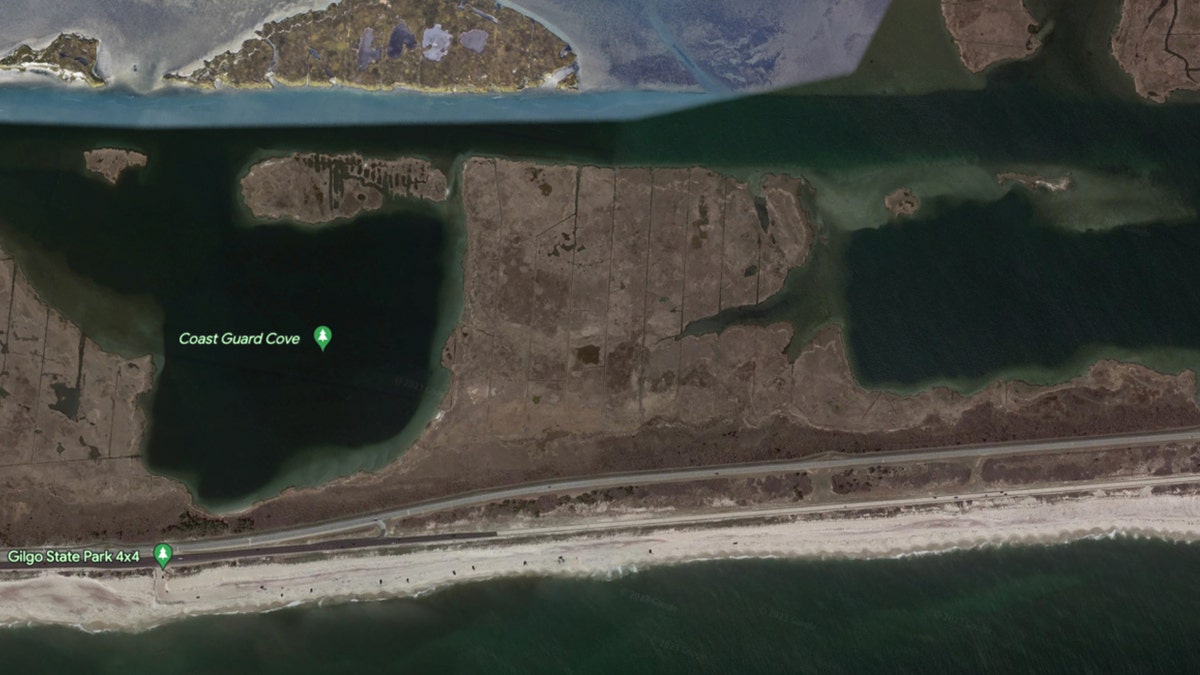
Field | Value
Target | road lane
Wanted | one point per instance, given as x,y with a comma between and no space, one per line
583,484
653,522
298,539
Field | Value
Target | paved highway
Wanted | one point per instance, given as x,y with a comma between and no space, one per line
694,519
600,482
299,539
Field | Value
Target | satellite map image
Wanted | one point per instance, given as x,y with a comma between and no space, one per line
595,336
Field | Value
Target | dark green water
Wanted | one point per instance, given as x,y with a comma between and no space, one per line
230,418
1088,607
172,234
969,290
377,282
981,287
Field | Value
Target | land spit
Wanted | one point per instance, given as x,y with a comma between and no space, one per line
990,31
141,600
70,57
569,359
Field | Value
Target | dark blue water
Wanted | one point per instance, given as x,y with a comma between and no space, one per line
1088,607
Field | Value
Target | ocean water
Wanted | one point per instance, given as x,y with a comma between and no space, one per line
1087,607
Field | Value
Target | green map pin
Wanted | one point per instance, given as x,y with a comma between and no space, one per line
162,554
323,334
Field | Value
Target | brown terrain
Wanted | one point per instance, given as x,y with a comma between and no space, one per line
1031,182
69,56
71,426
427,45
947,479
568,360
312,188
1158,44
902,202
112,162
990,31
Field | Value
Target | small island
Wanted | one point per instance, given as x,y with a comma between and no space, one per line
112,162
427,45
902,202
1032,182
315,188
70,57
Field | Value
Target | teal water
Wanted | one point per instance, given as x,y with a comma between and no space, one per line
1087,607
54,105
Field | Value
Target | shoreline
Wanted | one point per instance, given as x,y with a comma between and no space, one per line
138,602
235,43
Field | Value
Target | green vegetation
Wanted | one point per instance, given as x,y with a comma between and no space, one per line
376,45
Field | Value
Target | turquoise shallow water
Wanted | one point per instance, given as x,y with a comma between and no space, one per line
1093,606
322,107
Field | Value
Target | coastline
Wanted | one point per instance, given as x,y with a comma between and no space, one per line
36,73
140,601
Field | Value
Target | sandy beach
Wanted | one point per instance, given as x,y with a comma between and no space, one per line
142,601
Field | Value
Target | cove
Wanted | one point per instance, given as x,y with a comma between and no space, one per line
984,288
237,423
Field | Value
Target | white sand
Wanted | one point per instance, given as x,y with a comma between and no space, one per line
137,603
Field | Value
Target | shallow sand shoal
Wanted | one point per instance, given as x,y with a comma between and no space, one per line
140,602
